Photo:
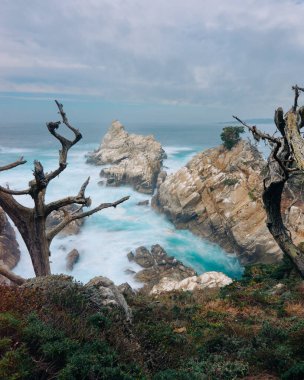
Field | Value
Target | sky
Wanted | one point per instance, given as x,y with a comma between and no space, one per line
178,61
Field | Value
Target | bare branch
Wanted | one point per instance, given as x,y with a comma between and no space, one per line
4,270
71,217
295,104
79,199
83,187
40,178
279,120
7,190
256,132
66,144
20,161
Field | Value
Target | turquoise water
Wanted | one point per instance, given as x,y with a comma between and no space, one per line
108,236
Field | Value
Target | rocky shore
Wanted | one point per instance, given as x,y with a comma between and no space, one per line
217,196
135,160
162,273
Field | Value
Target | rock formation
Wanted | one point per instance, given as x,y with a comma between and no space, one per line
206,280
107,294
217,195
9,248
157,264
134,159
71,259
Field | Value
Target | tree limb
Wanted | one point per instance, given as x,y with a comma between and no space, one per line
66,144
4,270
78,199
255,131
71,217
20,161
14,192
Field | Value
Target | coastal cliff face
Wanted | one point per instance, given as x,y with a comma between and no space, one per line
217,195
134,159
9,248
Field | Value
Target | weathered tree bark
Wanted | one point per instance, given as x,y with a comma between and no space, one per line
31,222
286,159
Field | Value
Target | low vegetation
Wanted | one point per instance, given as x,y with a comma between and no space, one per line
253,327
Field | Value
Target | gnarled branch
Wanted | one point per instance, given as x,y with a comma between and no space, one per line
66,144
18,162
78,199
71,217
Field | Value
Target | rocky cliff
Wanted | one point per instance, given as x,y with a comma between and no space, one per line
217,195
134,159
9,248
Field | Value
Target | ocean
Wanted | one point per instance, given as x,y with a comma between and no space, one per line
107,237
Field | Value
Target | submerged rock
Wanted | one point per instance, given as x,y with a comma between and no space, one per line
57,216
71,259
217,195
9,247
157,264
134,159
206,280
143,203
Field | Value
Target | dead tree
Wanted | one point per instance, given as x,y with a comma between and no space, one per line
285,160
31,222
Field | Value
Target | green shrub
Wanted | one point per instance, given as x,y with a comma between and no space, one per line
230,181
171,374
296,372
231,136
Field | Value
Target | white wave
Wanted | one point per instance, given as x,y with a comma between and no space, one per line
7,150
108,236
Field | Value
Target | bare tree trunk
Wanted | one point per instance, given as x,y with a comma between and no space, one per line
286,158
272,202
31,222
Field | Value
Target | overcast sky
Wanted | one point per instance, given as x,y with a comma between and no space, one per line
149,60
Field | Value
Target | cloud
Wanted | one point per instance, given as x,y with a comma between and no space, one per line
238,55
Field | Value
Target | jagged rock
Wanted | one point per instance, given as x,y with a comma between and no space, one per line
57,216
135,159
217,195
130,256
157,265
71,259
206,280
107,294
126,290
143,203
9,248
129,271
143,257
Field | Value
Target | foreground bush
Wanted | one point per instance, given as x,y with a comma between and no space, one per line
252,327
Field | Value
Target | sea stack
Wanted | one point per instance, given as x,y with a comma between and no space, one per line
135,160
218,196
